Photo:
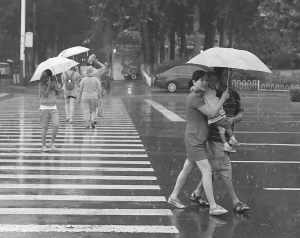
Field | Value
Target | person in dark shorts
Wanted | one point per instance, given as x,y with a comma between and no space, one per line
220,162
195,137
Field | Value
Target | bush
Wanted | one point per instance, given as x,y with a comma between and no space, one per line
295,94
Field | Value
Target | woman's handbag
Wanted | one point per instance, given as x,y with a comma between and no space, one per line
100,112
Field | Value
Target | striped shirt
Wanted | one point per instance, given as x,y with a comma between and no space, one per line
232,107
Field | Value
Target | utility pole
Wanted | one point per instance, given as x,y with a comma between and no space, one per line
22,43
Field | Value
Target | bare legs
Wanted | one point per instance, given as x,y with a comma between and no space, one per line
228,184
69,108
205,169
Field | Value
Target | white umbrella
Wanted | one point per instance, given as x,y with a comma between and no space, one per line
229,58
73,51
56,64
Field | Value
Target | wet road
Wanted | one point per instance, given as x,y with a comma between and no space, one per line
113,181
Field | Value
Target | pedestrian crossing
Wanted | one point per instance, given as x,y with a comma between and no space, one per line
99,181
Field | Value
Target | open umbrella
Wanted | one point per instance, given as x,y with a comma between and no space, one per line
56,64
73,51
230,58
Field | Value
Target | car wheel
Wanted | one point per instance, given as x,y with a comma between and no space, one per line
133,76
172,87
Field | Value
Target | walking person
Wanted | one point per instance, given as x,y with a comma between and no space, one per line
70,80
195,141
48,91
101,69
90,93
106,77
220,161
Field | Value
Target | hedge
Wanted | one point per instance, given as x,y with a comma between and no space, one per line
295,94
265,78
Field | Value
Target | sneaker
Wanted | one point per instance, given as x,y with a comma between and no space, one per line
229,149
199,200
52,146
67,119
176,202
217,210
95,122
240,207
92,125
45,149
233,142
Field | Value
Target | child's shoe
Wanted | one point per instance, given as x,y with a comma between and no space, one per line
233,142
229,149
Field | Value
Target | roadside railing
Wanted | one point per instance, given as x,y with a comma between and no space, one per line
256,86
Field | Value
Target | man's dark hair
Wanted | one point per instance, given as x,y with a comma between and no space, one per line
211,73
48,72
219,71
90,63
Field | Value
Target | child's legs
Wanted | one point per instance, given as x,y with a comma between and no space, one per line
222,134
67,107
45,119
229,132
72,108
55,122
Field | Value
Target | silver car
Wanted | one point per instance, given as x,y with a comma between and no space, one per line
176,78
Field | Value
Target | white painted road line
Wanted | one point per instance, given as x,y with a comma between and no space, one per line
71,144
167,113
73,140
268,162
266,144
283,189
114,169
266,132
72,149
64,130
86,212
88,228
3,94
80,186
79,161
12,197
46,154
72,177
70,136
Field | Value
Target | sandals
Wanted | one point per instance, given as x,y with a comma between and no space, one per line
198,199
240,207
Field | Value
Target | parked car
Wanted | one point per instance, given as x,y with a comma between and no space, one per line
176,78
5,69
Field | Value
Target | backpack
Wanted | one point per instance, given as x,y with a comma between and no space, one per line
69,81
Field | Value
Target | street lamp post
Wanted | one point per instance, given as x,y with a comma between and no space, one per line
22,43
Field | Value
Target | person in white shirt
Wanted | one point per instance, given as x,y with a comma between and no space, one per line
48,91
